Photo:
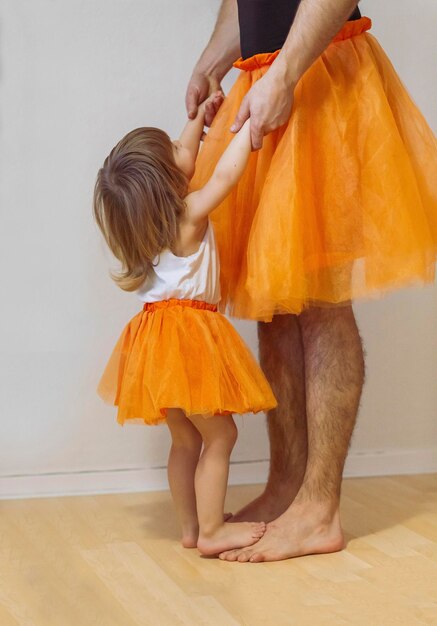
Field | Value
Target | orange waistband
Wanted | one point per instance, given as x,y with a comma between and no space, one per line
350,29
192,304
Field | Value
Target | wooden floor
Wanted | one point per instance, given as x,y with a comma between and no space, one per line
115,561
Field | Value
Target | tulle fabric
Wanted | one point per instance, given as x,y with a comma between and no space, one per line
182,354
341,202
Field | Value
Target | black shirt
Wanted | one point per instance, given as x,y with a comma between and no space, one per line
265,24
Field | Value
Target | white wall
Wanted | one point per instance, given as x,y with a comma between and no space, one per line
75,76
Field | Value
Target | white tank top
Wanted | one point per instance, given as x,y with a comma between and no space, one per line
193,277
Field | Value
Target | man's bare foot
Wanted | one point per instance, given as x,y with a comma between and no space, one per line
266,507
190,532
301,530
229,536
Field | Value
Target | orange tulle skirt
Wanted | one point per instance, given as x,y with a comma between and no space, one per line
182,354
341,202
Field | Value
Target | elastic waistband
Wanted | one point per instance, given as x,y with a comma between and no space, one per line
350,29
192,304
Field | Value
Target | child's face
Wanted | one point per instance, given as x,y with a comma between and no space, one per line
183,158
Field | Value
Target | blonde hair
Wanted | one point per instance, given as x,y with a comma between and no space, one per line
138,200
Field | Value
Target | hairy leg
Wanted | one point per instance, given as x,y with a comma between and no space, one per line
334,375
281,357
182,462
219,435
335,365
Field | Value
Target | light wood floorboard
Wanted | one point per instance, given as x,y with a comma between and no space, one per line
115,560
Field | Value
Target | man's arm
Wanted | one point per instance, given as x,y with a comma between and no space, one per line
216,60
315,25
269,101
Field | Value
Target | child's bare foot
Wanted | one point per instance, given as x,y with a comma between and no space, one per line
189,541
230,534
190,533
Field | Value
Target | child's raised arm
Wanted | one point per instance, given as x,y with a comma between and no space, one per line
193,129
226,175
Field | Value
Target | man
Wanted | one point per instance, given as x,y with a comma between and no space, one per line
311,351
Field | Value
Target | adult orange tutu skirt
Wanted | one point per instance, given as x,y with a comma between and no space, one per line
182,354
341,202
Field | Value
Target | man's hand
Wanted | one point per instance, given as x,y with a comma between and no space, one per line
200,87
268,104
215,61
270,100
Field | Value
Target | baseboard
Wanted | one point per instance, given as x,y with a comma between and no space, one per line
119,480
390,462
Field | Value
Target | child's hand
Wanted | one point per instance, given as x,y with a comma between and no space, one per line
193,131
211,105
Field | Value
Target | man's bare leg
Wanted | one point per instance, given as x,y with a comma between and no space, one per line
334,374
281,356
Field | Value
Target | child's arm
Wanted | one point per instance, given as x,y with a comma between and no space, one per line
227,173
193,129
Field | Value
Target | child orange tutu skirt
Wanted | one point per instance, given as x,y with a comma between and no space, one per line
341,202
182,354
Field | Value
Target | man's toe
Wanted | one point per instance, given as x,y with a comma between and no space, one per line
229,555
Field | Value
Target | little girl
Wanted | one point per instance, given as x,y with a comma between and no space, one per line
179,360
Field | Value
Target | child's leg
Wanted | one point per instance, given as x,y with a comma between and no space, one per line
182,463
219,435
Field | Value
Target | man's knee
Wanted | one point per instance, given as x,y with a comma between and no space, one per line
272,335
327,315
328,329
336,324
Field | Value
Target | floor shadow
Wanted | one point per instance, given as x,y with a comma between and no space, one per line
368,506
156,519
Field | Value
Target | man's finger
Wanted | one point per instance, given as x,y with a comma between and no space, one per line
256,136
242,115
192,101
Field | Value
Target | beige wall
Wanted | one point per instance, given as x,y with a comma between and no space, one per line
75,76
